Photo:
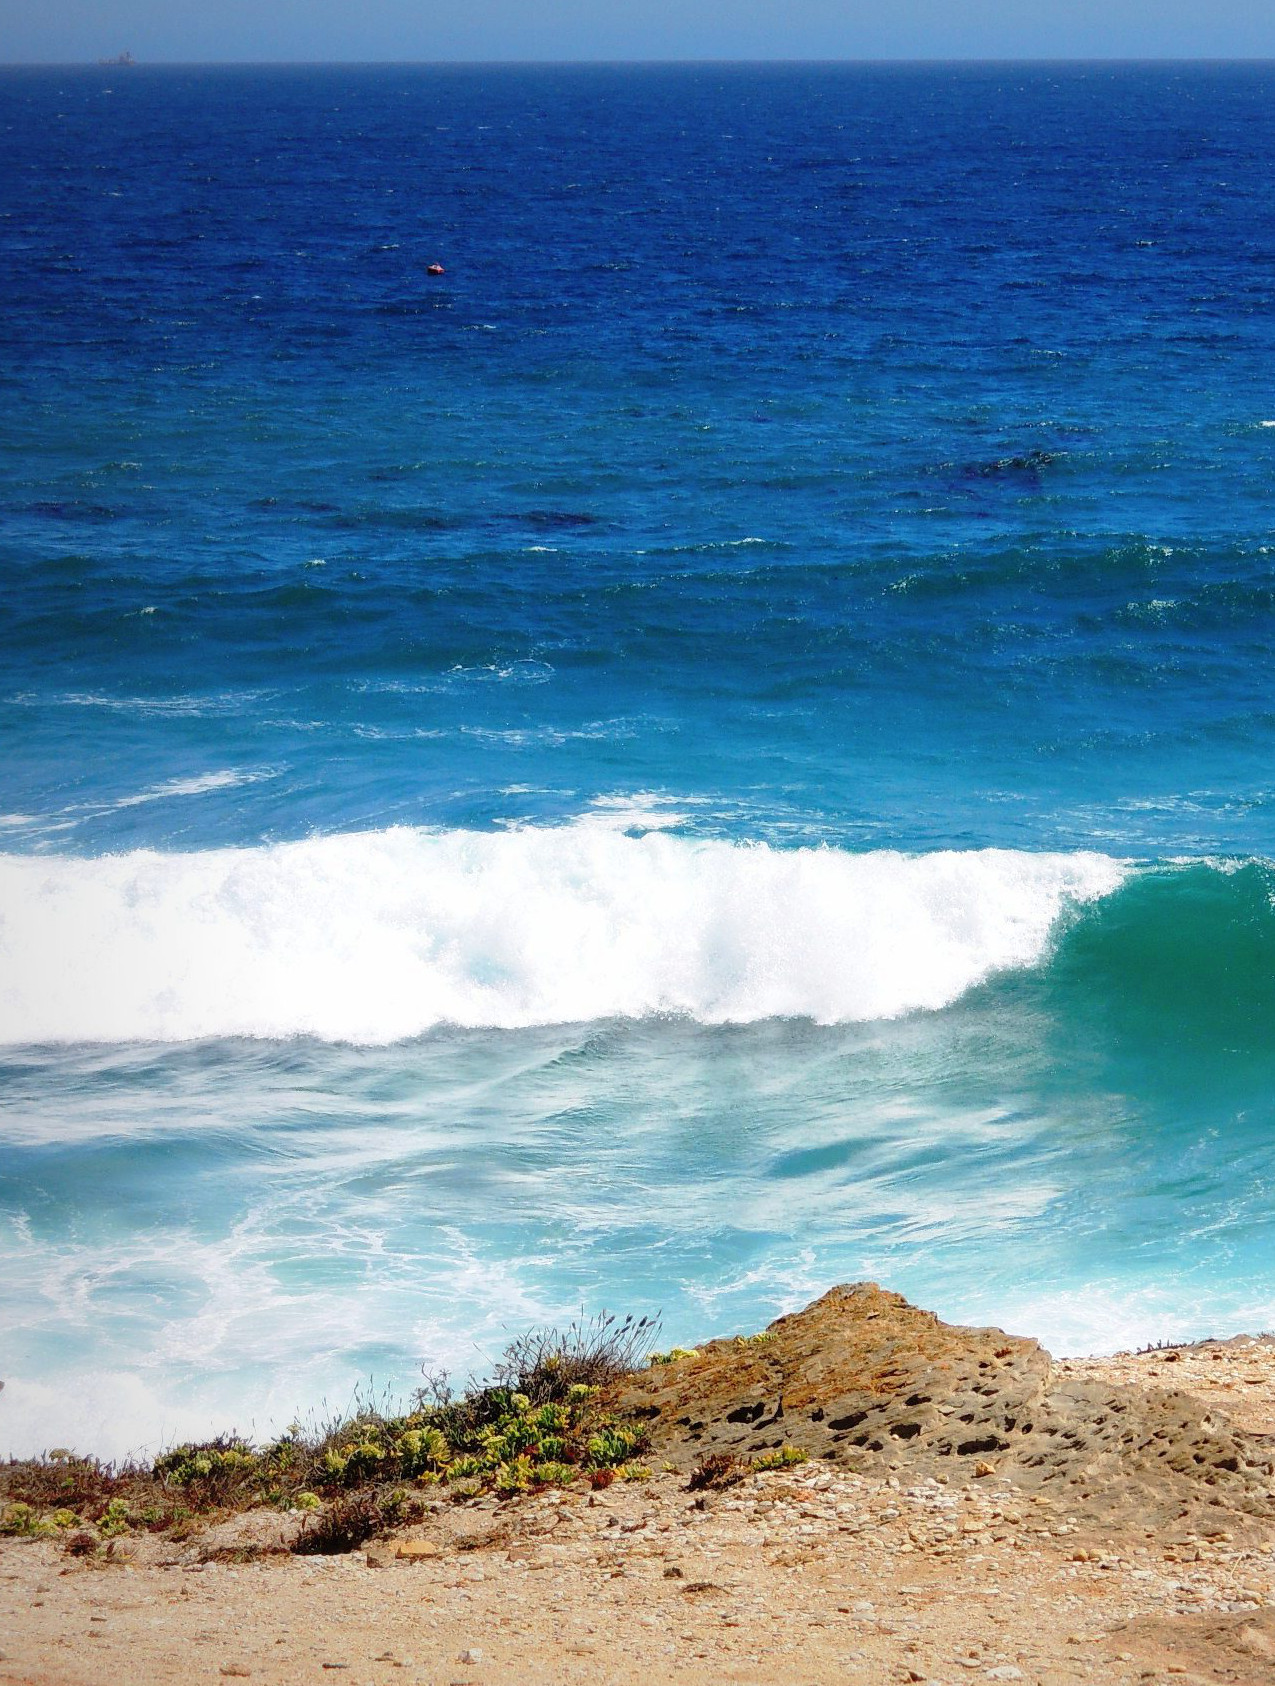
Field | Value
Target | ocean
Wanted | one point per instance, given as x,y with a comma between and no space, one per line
722,744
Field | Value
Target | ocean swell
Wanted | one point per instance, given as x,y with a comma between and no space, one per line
374,937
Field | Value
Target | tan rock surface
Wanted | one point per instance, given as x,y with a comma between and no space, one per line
1236,1376
844,1569
867,1381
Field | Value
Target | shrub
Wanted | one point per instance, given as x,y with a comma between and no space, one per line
614,1445
718,1469
546,1365
515,1432
397,1507
343,1526
363,1460
463,1468
423,1450
220,1471
551,1474
114,1519
515,1476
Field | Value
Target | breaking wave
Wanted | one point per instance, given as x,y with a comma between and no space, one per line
379,936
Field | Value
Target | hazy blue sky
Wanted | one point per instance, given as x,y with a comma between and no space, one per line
70,30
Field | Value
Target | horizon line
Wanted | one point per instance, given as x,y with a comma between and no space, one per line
618,63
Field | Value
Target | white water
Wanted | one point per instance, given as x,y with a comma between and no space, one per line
378,936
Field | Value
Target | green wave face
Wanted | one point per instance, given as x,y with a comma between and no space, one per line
1175,971
1141,1053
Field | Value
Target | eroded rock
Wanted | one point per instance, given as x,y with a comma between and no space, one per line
866,1380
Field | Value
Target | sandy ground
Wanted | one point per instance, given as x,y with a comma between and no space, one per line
809,1576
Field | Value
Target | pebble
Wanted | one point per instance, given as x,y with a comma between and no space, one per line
471,1654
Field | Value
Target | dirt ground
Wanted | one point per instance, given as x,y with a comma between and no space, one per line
816,1574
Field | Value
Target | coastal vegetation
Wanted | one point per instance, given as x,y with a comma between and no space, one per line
541,1420
546,1417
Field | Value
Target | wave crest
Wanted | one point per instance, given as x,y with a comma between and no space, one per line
379,936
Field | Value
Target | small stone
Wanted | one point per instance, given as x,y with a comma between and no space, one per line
414,1551
471,1654
983,1468
1005,1671
236,1669
673,1573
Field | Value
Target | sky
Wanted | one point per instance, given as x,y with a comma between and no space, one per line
184,31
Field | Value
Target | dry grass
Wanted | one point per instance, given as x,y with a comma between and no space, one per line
547,1364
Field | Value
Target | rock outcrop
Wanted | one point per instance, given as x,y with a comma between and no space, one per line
868,1381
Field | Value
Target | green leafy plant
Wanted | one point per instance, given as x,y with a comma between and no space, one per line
614,1445
553,1474
783,1457
114,1519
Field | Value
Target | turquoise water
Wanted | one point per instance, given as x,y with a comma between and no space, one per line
721,745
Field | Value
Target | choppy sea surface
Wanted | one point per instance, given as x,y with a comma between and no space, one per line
723,744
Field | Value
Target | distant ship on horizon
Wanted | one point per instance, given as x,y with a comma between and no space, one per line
119,59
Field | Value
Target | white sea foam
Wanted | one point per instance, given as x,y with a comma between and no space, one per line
219,1342
229,779
377,936
1119,1313
643,811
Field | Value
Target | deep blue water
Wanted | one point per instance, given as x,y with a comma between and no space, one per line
722,744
